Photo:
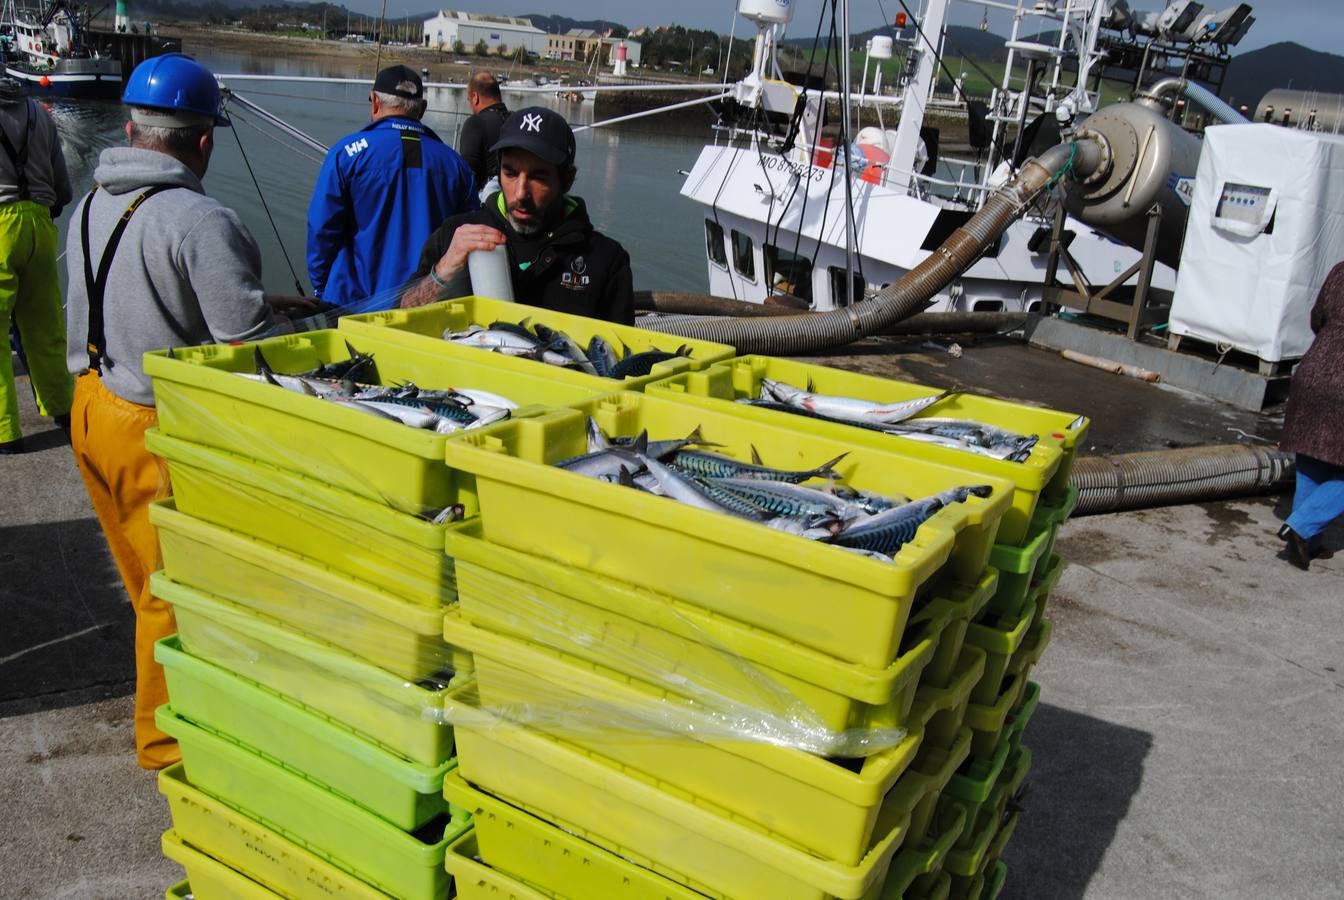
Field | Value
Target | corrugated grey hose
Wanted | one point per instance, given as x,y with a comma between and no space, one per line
1189,475
800,334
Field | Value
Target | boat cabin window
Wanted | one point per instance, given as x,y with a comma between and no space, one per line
714,243
744,255
789,273
856,291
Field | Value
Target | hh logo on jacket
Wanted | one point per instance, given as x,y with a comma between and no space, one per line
354,147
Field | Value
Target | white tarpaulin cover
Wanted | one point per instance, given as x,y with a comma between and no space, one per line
1266,226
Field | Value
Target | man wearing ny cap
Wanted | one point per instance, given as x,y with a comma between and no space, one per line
152,263
557,260
380,193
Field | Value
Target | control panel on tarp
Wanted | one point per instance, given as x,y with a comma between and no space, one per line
1243,208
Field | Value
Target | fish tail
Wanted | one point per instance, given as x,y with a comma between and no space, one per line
827,469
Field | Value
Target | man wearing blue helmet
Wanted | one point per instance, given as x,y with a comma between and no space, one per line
153,262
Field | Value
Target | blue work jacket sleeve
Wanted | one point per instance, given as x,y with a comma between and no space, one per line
328,218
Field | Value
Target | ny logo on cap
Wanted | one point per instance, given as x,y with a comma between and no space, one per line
532,122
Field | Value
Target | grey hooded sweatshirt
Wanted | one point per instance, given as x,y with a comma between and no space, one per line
25,122
186,272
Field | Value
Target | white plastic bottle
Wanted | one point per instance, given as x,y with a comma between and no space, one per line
489,271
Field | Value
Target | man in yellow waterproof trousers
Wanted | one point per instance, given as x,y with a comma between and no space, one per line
153,262
34,187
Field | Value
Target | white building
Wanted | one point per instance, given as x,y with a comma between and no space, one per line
450,26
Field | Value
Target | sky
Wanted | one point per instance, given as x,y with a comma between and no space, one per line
1318,24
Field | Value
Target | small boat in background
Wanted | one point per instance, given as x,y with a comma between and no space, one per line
50,53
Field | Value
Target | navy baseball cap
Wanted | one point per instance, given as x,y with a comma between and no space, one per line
539,131
390,79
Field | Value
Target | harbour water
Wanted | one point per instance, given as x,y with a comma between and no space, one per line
628,174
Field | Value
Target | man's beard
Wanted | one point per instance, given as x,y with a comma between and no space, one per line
537,223
525,228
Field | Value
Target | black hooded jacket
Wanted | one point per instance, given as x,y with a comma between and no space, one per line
572,268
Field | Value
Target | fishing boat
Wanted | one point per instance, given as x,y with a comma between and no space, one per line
797,217
51,53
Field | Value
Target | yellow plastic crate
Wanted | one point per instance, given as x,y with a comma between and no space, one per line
529,857
422,329
200,399
406,718
940,709
823,805
636,631
406,865
1045,470
912,862
254,849
937,768
635,817
474,880
1045,586
844,604
303,594
999,636
934,886
369,541
949,616
209,878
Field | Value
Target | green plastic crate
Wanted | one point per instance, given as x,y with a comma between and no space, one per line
422,329
1000,636
524,856
934,886
652,542
407,718
996,881
1017,567
404,793
970,789
1045,586
405,865
386,630
987,721
200,399
1059,432
1021,714
1032,649
641,820
641,633
826,806
252,848
352,535
979,853
207,877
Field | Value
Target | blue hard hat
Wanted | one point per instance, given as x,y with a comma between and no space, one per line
173,91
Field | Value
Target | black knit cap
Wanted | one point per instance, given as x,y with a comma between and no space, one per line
389,78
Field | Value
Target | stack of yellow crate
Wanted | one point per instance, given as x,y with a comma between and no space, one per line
647,700
310,675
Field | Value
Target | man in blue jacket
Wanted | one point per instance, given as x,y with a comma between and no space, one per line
380,193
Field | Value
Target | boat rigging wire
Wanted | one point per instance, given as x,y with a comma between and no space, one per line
300,136
298,285
238,117
651,112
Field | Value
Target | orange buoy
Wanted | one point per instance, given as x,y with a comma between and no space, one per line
44,81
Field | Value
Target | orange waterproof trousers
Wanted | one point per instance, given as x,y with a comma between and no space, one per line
107,435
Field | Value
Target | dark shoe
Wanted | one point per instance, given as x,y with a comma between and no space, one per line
1297,552
11,447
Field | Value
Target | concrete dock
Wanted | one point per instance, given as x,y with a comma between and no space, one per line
1187,744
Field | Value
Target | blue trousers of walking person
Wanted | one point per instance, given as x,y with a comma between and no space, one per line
1319,498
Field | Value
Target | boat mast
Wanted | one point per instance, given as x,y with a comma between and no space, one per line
917,91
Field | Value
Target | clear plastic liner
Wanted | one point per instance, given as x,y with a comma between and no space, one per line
588,671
